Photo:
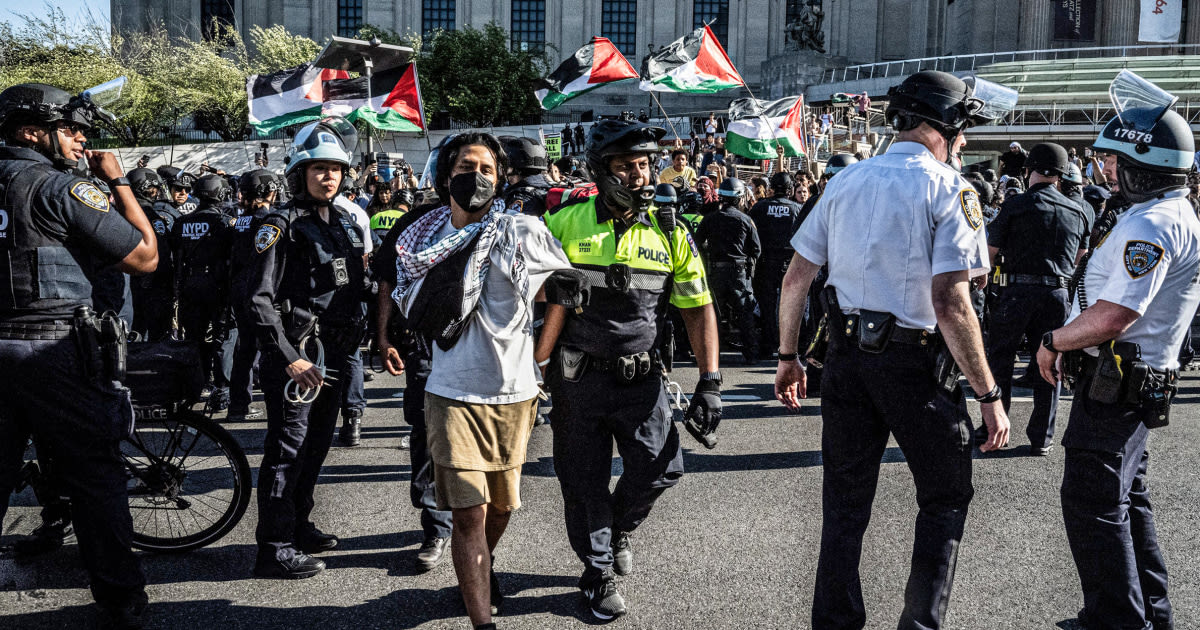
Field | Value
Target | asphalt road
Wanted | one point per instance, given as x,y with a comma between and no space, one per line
733,546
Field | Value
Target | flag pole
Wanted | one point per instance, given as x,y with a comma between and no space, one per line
421,107
665,115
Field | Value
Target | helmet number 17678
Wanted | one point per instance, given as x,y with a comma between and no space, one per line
1134,135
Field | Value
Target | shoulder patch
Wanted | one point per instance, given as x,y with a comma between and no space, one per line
692,244
971,208
1141,258
266,237
90,196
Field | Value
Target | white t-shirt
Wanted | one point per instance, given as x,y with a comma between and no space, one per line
492,363
887,225
360,219
1149,263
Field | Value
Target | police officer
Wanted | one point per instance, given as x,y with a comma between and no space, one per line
773,218
154,294
1041,234
179,188
389,206
305,300
527,183
1136,298
260,191
57,229
603,378
902,234
202,242
731,241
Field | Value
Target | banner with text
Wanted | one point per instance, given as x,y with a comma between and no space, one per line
1075,20
1160,21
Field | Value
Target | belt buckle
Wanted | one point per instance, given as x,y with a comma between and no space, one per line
618,277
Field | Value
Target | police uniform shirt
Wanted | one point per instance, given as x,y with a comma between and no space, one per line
623,320
1040,232
528,196
887,225
360,219
1148,263
77,227
773,218
729,236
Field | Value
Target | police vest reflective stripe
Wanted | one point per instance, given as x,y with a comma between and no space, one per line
38,272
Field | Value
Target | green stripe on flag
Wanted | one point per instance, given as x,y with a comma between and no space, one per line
272,125
390,120
703,86
761,149
554,99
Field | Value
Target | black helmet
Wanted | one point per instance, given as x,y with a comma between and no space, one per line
524,154
732,188
939,98
839,161
404,197
142,181
982,187
168,172
41,104
989,175
783,184
665,194
1048,158
212,188
608,138
258,184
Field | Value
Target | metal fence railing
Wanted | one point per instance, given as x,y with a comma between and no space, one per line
964,63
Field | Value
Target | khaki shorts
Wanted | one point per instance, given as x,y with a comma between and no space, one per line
457,488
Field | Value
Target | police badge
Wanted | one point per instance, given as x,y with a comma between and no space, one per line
972,209
266,237
1141,258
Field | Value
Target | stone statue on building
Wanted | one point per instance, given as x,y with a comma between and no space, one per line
805,32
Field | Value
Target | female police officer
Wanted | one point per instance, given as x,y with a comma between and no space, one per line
1135,300
306,287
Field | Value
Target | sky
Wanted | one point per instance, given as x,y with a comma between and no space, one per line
74,9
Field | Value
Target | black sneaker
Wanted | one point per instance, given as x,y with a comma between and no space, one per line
603,598
313,540
351,433
219,400
432,552
297,567
622,553
45,539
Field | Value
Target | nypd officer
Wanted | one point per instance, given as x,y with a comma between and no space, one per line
1042,234
603,377
54,221
305,300
902,235
1135,301
773,217
154,293
527,183
731,242
202,242
260,190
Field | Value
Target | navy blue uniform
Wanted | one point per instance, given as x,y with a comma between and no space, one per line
732,244
202,242
307,281
154,293
528,196
56,231
245,356
1039,232
773,218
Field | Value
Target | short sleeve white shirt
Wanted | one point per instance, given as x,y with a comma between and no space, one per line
887,225
1149,263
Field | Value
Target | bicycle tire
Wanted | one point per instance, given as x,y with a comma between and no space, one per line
164,486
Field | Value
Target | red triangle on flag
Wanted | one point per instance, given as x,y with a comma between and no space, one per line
405,99
608,64
712,60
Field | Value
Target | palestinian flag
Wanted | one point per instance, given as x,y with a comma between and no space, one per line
394,103
757,127
590,67
287,97
694,63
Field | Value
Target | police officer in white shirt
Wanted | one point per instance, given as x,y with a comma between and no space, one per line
902,234
1135,301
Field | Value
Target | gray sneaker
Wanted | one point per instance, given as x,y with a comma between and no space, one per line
622,550
603,598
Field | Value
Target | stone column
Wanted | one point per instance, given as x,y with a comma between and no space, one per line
1191,34
1036,24
1119,22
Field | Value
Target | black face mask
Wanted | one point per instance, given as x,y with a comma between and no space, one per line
472,191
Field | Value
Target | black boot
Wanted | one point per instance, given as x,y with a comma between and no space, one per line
351,433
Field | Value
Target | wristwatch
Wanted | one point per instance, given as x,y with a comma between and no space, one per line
1048,341
118,181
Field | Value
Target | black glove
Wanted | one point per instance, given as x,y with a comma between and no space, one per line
565,287
704,413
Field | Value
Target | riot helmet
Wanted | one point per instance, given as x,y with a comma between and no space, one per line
1073,175
1049,159
525,156
947,103
665,194
212,189
610,138
783,184
404,197
146,184
331,139
838,162
731,188
258,184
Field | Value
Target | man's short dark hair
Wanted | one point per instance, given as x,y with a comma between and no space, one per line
682,152
448,157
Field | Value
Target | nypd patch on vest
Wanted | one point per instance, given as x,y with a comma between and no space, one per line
90,196
971,208
1141,258
266,237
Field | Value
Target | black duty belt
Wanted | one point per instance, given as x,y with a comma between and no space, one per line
1086,366
601,364
848,324
1058,282
730,263
45,331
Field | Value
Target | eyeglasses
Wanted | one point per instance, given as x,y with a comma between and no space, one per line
71,128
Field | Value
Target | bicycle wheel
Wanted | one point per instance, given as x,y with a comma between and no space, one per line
189,482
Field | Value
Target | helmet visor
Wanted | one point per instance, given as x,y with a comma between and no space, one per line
1129,91
105,94
995,101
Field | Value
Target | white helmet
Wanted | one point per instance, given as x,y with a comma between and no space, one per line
331,139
